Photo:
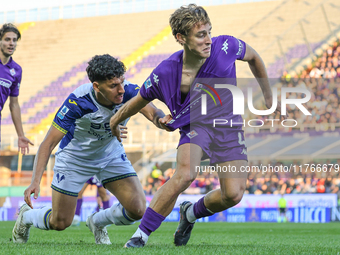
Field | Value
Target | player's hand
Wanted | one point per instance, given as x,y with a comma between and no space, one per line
32,189
123,131
23,144
165,120
115,130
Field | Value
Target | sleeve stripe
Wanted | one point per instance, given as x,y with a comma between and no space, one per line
59,128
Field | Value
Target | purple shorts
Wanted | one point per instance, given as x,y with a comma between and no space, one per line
94,181
220,144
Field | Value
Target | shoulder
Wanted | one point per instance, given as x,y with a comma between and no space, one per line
229,44
15,65
128,86
226,41
131,90
80,99
168,65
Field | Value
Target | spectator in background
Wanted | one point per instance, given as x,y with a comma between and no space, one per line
10,79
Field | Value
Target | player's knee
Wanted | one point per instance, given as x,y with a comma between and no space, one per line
232,197
138,211
184,179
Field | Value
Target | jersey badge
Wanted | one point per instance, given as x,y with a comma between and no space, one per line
12,71
61,114
147,83
192,134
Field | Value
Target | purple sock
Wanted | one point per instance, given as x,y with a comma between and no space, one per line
106,204
200,210
79,203
151,221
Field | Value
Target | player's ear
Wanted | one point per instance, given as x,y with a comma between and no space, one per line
180,38
95,85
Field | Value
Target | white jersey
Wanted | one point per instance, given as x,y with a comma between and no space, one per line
86,125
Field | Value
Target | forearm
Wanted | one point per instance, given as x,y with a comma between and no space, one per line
127,110
258,69
41,161
16,118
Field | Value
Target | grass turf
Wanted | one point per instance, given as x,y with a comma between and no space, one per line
207,238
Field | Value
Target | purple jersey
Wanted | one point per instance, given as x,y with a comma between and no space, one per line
165,81
10,78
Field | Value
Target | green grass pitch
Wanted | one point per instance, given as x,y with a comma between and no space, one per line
207,238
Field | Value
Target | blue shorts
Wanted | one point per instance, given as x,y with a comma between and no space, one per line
220,144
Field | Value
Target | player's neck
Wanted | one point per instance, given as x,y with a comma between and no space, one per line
102,101
4,59
192,61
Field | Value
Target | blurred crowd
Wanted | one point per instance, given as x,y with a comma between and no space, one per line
296,181
322,79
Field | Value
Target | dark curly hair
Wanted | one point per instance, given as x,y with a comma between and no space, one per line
104,67
9,27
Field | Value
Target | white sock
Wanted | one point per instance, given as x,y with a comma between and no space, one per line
40,218
190,214
140,233
114,215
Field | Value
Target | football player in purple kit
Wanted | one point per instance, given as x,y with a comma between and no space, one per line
178,82
10,79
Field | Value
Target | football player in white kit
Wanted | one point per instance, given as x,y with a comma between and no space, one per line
88,148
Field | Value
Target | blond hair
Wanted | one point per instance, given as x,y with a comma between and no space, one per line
186,17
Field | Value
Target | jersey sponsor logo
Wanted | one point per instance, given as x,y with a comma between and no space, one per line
155,79
192,134
72,102
225,46
97,118
61,114
96,130
60,177
147,83
240,48
12,71
5,83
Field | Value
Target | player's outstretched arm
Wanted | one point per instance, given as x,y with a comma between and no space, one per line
51,140
23,142
157,116
130,108
258,69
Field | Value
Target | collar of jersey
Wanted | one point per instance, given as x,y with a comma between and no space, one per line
8,63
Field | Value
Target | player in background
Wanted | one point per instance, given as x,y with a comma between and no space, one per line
10,79
87,147
282,209
103,199
178,82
